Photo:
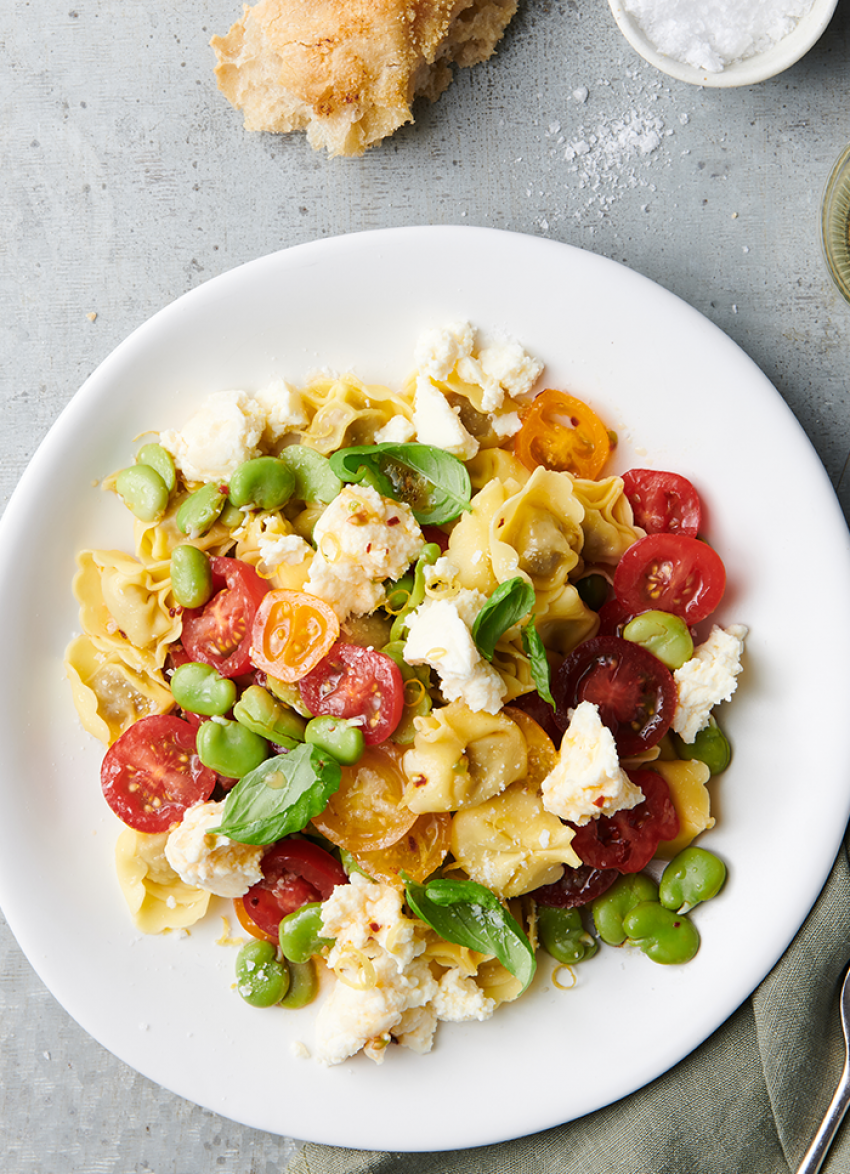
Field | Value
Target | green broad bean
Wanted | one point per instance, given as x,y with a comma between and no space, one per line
201,509
427,557
161,460
691,877
710,746
562,934
666,636
264,483
261,978
199,689
612,906
417,698
593,590
399,593
315,480
191,576
230,749
261,712
143,492
231,516
289,694
303,985
301,933
664,936
338,737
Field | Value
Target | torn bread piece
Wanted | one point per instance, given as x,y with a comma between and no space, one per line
347,71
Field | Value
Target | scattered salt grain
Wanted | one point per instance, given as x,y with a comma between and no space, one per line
711,34
581,94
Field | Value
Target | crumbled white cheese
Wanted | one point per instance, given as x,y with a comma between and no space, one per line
224,432
438,423
299,1050
500,367
282,408
507,424
214,863
708,678
439,635
361,540
398,430
277,549
587,780
459,998
439,350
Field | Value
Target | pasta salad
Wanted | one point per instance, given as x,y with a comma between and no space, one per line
410,680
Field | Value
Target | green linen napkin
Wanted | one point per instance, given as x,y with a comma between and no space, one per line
746,1102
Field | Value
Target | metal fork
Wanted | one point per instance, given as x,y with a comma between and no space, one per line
815,1154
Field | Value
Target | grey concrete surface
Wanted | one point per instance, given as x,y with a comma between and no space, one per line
127,180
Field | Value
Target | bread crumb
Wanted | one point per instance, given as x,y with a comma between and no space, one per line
91,316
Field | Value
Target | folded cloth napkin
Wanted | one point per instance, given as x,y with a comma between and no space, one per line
746,1102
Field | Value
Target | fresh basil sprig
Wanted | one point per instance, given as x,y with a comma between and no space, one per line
280,797
538,662
511,600
466,913
433,483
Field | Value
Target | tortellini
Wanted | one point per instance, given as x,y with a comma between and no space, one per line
108,695
346,412
608,524
460,758
687,782
511,844
157,898
156,540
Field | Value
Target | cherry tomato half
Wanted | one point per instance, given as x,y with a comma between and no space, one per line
578,886
627,840
635,693
292,632
295,873
151,775
663,503
356,682
671,572
220,632
366,814
415,855
562,433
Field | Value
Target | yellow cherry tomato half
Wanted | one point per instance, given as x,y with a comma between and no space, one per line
542,755
418,853
561,433
292,632
366,812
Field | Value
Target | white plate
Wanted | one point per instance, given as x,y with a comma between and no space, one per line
681,396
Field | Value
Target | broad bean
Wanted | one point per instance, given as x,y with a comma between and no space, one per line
199,689
303,985
261,978
191,576
161,460
201,509
315,480
691,877
261,712
263,482
611,907
338,737
427,557
666,636
230,749
593,590
143,492
301,933
562,934
664,936
710,746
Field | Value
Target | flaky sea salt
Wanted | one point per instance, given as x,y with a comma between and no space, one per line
711,34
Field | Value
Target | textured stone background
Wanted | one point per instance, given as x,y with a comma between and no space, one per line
127,180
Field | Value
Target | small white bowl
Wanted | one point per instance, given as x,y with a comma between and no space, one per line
774,60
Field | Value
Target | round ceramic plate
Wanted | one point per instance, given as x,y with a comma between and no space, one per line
681,396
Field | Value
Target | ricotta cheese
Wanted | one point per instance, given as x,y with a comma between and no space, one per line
438,423
214,863
361,539
282,409
459,999
501,367
439,635
398,430
709,677
224,432
587,780
277,549
440,349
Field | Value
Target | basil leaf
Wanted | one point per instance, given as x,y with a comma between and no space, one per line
511,600
466,913
281,796
538,661
433,483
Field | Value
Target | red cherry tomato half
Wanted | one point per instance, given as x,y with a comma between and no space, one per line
295,873
635,693
220,632
663,503
578,886
151,775
353,682
671,572
627,840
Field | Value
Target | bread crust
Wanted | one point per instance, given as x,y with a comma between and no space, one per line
347,71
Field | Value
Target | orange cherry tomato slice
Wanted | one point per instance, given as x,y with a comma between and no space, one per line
247,922
542,755
366,813
564,434
292,632
418,853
